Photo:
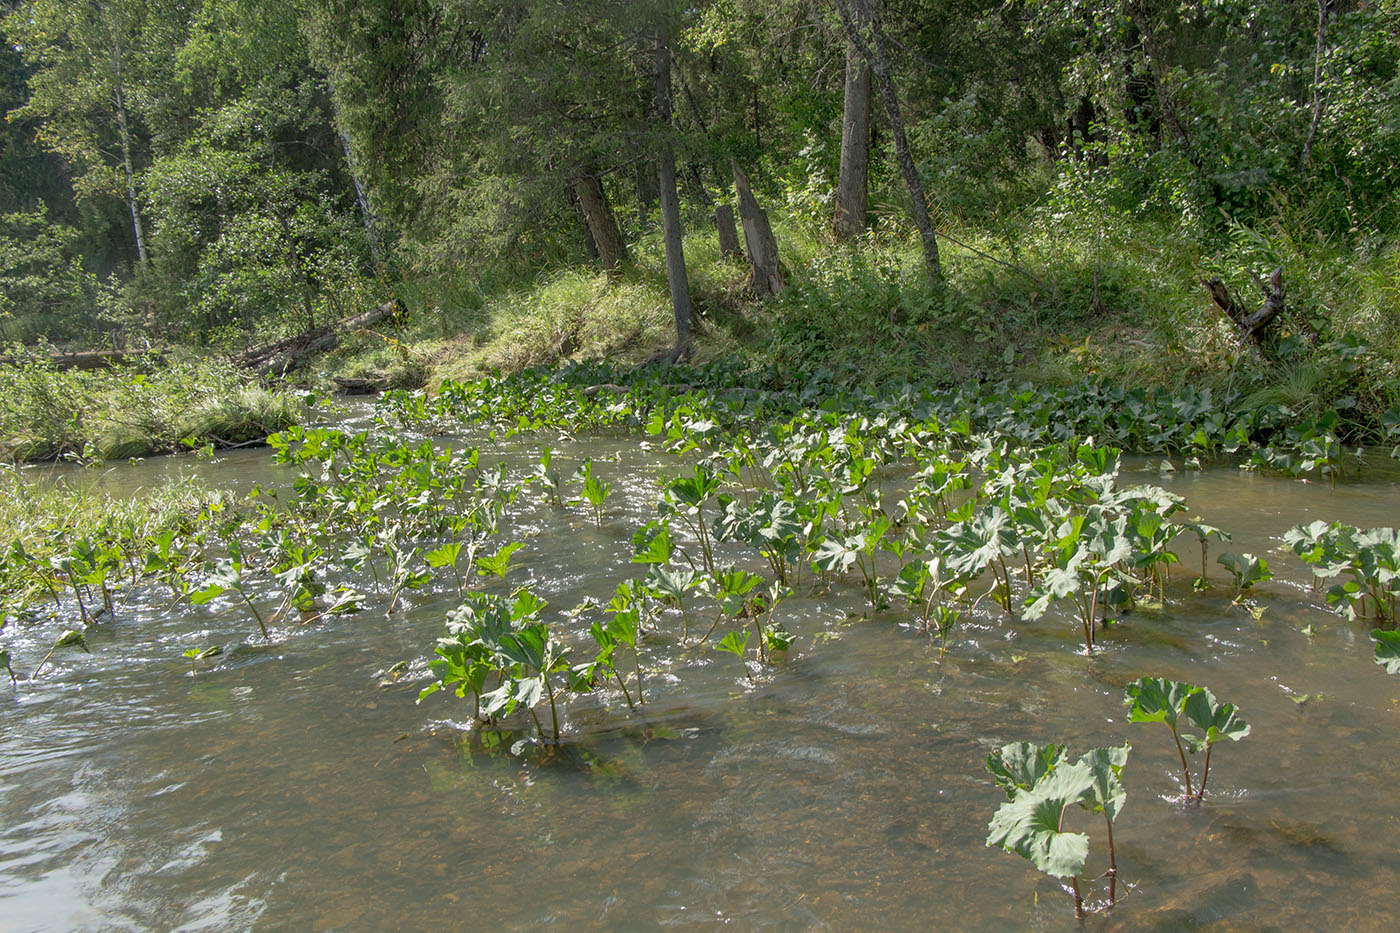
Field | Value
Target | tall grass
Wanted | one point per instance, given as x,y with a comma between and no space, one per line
131,411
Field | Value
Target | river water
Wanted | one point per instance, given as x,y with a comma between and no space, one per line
297,786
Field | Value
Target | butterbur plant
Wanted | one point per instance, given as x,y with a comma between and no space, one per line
71,638
1366,565
1387,650
1042,786
595,490
1177,705
734,643
1246,569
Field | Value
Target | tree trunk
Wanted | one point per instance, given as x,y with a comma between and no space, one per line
590,246
849,219
362,198
728,236
285,354
670,203
766,274
855,16
125,133
1250,324
1318,101
597,212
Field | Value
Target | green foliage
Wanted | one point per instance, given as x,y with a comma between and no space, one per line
131,411
1247,570
1177,704
44,288
1387,649
1367,563
1041,786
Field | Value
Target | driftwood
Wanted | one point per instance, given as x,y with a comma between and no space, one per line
353,385
1250,324
287,354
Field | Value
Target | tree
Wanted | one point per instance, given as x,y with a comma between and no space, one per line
849,218
670,203
863,30
93,64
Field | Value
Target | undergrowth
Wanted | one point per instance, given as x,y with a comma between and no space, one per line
1073,288
132,411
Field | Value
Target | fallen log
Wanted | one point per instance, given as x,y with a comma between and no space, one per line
355,385
1250,324
93,359
287,354
682,387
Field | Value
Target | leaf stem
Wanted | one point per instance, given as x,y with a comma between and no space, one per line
1112,864
1186,772
1205,773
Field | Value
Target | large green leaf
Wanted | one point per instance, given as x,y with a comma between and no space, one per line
1387,650
669,583
1022,764
1030,824
652,544
1217,720
1106,765
1156,699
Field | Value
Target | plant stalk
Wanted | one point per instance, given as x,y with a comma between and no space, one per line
1186,772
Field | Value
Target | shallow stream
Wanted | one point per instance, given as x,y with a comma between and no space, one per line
296,786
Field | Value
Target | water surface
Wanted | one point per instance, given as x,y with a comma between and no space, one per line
292,786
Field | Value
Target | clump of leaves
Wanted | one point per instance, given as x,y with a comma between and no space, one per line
491,636
1177,704
1365,563
1042,786
1246,569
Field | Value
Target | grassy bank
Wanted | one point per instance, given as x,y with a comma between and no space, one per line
1059,297
132,411
1070,291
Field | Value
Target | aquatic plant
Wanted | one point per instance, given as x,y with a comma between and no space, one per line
491,636
1177,704
595,491
228,577
70,638
1246,569
1042,785
1369,559
1387,649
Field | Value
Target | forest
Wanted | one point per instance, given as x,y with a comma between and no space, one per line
802,463
1020,183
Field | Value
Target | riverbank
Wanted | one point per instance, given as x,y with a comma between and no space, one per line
1056,306
1075,299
